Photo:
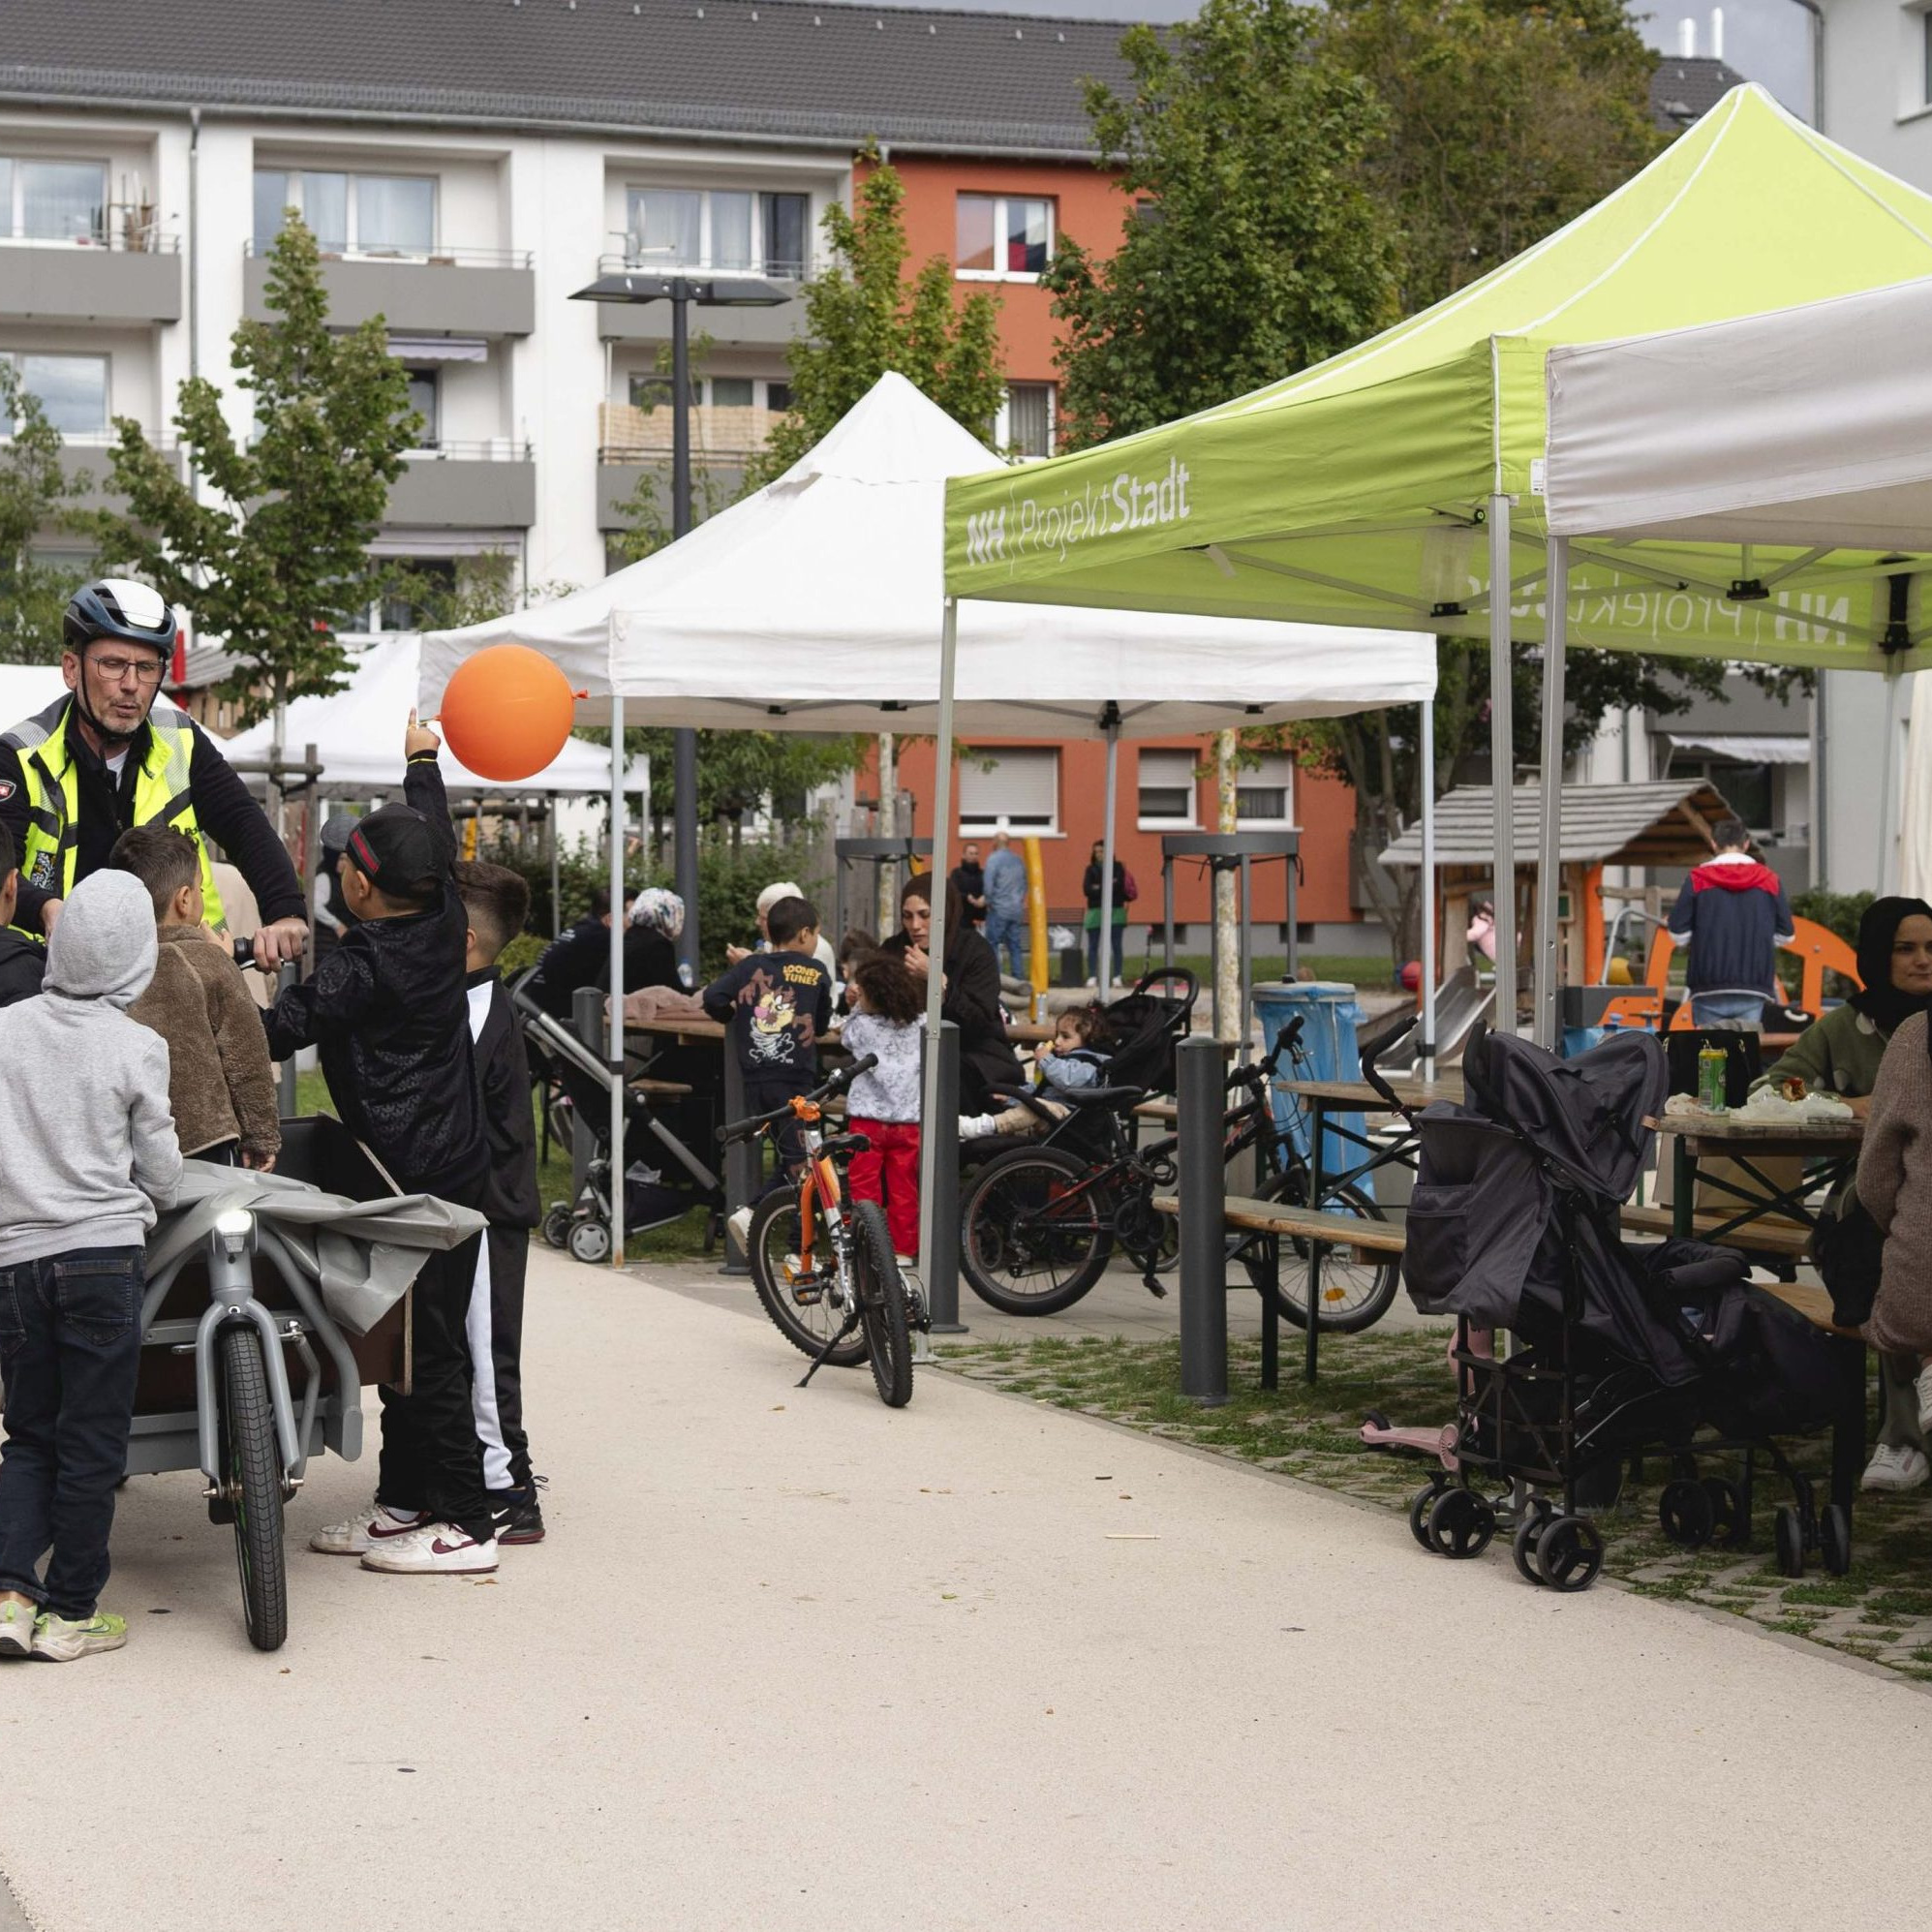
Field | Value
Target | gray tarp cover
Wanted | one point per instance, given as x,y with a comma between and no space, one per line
363,1254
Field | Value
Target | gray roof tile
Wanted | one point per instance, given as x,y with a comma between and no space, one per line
771,68
1610,824
1685,89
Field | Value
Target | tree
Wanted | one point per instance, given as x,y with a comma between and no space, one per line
36,494
1254,245
272,556
864,316
1506,119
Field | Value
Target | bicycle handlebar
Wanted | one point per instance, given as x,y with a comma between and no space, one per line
745,1130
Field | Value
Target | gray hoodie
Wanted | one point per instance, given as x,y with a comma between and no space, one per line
87,1147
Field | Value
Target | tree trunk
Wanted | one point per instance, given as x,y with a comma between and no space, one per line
1229,1020
886,877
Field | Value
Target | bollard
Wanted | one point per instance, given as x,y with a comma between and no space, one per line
1204,1246
743,1163
286,1103
587,1017
942,1291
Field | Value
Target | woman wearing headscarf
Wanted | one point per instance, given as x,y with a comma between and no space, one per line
1842,1055
651,931
972,998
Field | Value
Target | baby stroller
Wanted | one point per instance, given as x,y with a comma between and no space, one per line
665,1180
1619,1348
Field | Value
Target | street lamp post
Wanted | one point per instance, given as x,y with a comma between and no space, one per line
681,291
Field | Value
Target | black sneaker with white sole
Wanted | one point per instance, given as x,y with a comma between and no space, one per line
519,1515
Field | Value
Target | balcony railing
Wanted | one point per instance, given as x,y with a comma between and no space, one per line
438,257
124,231
652,261
627,434
484,449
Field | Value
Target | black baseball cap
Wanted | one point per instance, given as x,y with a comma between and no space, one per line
392,848
335,831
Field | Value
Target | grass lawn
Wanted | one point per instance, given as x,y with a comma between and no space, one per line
1355,969
1882,1610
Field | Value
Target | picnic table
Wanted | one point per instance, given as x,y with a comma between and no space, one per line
1774,1210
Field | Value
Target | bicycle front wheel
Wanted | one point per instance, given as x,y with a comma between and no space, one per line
1033,1241
250,1464
881,1304
799,1298
1356,1290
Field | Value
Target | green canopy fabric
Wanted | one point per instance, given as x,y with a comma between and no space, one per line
1358,491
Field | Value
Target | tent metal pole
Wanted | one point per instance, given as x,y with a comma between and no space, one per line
1502,760
1426,1058
616,1003
930,1137
1103,969
1888,787
555,872
1550,849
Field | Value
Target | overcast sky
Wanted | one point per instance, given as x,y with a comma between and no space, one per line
1763,40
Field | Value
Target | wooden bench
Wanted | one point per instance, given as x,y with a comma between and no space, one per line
1774,1234
1366,1240
668,1089
1164,1111
1811,1300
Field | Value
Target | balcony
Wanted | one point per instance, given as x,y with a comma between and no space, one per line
128,272
631,441
727,327
89,457
483,291
489,486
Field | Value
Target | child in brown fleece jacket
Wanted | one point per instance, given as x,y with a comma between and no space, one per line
221,1085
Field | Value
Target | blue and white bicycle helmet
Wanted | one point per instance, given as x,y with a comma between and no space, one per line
119,607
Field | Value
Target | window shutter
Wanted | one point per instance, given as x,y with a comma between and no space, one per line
1020,787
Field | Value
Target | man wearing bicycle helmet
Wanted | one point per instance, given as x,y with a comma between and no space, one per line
112,754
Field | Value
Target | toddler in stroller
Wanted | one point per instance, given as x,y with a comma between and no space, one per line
1619,1348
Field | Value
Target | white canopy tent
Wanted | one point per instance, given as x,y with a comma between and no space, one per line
817,605
1808,427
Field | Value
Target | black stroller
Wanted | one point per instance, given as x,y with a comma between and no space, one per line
665,1179
1619,1349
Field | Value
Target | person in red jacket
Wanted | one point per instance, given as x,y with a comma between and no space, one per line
1734,916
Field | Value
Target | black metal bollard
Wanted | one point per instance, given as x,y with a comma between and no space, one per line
1204,1245
587,1016
942,1291
744,1162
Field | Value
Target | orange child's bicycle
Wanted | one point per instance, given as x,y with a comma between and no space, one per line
822,1263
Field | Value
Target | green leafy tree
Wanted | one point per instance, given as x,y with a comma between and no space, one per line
865,316
36,495
1252,244
272,554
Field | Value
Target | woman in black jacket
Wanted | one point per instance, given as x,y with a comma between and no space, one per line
972,998
651,931
1089,885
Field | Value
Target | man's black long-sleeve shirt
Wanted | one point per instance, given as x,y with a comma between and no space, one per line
224,812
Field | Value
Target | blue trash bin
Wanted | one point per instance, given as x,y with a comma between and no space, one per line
1329,1017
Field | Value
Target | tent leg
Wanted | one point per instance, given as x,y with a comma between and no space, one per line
555,872
1502,760
939,1137
1426,1057
1890,869
1104,957
1549,851
616,1004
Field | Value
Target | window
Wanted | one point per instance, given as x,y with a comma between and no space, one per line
428,579
1264,793
724,229
370,214
1025,425
71,390
1167,788
53,201
778,397
731,392
650,390
1003,238
425,393
1021,786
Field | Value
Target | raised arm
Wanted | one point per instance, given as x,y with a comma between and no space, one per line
422,787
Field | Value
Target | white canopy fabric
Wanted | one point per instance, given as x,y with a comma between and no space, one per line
817,605
1809,426
358,733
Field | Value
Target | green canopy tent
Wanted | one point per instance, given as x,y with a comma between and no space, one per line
1396,483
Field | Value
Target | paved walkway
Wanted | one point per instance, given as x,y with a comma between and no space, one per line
793,1661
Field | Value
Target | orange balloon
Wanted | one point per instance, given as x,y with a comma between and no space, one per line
507,712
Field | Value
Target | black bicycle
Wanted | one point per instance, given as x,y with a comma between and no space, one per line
1040,1222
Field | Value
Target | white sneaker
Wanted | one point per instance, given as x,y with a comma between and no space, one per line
16,1630
1896,1466
435,1549
740,1224
974,1126
376,1525
1925,1384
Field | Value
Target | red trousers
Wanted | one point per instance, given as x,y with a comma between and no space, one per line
889,1172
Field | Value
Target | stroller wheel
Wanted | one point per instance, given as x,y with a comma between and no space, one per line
1568,1554
1522,1545
590,1242
1787,1528
556,1225
1460,1524
1730,1525
1834,1528
1685,1514
1421,1505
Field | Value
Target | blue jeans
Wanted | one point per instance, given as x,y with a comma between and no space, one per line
1729,1012
70,1348
1006,934
1093,950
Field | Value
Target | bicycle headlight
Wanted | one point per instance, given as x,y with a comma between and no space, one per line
235,1229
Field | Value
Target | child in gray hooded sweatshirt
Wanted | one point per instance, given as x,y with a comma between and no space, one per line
90,1154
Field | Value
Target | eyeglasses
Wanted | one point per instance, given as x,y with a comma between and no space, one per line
146,670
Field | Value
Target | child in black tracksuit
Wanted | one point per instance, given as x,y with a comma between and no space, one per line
389,1017
497,902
